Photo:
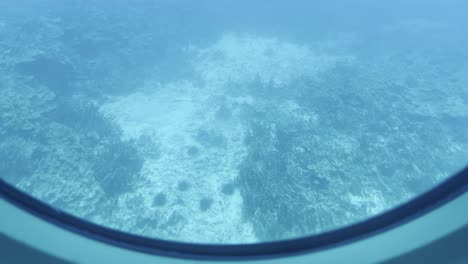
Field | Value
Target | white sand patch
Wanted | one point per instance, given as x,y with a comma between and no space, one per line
371,199
174,114
244,58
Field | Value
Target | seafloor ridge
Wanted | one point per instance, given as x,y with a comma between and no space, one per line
236,137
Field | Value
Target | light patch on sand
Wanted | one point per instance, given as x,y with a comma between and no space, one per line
371,199
243,58
174,114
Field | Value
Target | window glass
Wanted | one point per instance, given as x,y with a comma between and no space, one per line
220,121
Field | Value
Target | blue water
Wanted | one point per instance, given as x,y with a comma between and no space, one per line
231,121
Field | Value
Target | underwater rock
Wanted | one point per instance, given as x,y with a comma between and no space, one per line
160,200
228,189
183,186
193,151
205,204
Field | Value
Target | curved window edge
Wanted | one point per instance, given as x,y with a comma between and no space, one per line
441,194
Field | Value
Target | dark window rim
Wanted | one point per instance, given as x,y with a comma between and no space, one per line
439,195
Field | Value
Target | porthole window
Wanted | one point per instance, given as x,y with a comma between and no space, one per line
231,122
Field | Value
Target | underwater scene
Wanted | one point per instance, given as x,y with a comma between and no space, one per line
228,122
